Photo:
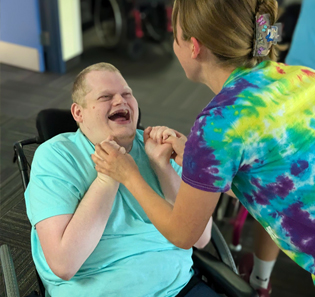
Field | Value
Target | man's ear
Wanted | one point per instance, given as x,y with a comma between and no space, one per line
76,111
195,47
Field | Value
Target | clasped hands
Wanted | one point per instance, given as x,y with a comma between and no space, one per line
161,144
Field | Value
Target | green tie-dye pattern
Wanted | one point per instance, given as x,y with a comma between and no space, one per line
269,119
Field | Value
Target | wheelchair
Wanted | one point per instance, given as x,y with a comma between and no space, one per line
218,270
124,24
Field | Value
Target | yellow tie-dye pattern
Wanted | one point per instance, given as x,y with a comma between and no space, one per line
279,111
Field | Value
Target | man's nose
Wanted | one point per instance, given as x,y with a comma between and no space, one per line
119,99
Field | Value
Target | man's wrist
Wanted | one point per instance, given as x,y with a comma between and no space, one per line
106,182
161,167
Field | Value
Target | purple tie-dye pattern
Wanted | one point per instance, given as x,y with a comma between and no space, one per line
266,183
245,167
273,214
228,95
281,188
218,112
214,170
261,198
301,232
204,155
249,198
299,167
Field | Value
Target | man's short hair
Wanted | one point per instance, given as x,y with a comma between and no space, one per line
80,87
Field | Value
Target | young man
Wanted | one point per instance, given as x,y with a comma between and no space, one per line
89,235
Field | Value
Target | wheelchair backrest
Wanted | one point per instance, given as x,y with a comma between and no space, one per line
51,122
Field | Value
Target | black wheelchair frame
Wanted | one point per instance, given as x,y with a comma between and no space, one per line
219,272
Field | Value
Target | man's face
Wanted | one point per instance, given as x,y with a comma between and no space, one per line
110,108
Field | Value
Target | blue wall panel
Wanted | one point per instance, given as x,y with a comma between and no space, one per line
20,24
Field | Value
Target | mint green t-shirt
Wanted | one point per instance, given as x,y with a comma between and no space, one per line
132,257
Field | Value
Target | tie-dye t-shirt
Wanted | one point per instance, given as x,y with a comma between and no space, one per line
257,136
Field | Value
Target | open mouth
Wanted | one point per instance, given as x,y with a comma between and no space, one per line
120,115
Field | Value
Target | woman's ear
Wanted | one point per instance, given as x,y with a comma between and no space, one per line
195,47
76,111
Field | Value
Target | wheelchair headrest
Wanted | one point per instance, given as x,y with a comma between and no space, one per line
51,122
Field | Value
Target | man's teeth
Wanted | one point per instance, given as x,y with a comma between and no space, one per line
124,111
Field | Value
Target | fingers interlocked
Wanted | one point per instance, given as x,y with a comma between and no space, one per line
161,133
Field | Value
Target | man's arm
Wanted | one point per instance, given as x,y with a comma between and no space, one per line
68,240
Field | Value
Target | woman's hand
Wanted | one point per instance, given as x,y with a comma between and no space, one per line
103,178
178,144
112,160
160,133
165,135
158,153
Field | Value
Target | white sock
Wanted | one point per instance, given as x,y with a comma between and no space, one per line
260,275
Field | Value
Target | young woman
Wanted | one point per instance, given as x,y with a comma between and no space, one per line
256,137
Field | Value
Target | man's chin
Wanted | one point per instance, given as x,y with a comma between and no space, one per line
123,136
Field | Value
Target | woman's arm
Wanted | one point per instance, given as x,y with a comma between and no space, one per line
170,184
159,154
182,224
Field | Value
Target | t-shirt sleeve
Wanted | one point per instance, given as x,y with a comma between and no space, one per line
53,188
213,151
176,167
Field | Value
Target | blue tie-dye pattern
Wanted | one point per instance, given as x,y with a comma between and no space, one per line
271,171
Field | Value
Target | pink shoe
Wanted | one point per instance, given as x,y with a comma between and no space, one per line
245,269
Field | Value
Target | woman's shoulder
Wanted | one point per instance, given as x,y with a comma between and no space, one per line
250,86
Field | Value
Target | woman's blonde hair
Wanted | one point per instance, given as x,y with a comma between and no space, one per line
225,27
80,87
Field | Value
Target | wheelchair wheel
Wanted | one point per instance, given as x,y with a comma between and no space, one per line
8,271
109,21
155,22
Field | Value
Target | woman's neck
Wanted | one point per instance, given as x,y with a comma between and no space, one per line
213,75
215,78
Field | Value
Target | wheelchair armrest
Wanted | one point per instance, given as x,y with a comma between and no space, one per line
10,280
222,248
221,275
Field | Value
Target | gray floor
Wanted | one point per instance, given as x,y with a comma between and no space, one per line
165,96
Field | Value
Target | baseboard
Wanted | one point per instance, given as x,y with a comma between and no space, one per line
19,56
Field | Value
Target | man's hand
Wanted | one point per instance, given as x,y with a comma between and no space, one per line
159,153
103,178
111,160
